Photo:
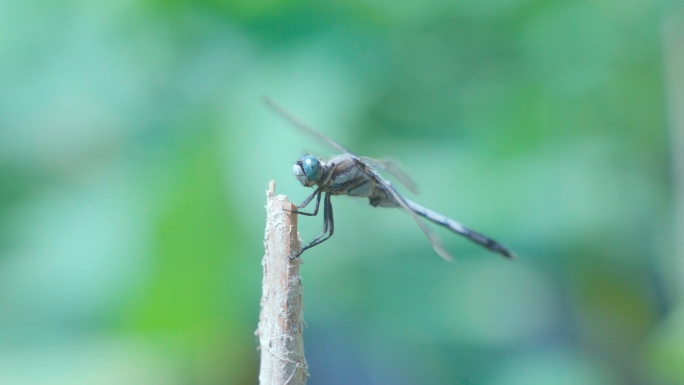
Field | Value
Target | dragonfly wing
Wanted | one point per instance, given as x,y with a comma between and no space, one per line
384,165
393,169
303,126
401,201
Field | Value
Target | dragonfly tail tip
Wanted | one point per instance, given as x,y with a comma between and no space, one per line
510,255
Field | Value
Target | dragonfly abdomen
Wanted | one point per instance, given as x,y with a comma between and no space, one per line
458,228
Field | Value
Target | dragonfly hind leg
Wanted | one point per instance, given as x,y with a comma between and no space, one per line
328,226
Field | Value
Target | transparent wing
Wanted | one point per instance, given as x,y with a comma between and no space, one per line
401,201
383,165
303,126
393,169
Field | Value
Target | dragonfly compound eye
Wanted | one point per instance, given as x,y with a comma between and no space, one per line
307,170
312,168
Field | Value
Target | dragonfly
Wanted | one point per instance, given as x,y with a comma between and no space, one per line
358,176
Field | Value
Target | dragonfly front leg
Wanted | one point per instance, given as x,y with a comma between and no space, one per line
328,226
316,193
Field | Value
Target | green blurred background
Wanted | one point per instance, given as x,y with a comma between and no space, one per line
135,154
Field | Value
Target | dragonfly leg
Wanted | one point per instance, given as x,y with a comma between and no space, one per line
317,194
328,226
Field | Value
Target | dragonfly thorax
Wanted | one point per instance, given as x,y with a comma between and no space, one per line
308,170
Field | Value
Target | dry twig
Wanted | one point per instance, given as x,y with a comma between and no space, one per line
280,320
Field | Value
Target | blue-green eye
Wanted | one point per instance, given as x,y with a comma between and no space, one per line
307,170
311,167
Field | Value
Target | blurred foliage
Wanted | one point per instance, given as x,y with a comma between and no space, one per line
136,153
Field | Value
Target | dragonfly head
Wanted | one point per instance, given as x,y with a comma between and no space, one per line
308,170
